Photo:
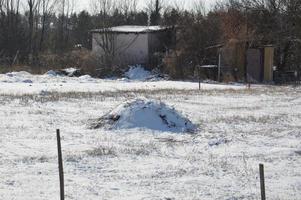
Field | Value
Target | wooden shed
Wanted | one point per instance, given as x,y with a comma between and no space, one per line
253,64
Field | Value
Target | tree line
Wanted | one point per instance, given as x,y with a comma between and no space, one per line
32,28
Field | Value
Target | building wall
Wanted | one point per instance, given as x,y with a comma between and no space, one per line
129,48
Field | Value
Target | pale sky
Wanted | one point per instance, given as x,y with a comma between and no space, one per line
85,4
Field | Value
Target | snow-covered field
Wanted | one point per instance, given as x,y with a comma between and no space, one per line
238,129
17,83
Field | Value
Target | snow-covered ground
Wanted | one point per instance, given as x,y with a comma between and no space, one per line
24,83
238,129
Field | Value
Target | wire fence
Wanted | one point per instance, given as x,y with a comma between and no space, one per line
288,77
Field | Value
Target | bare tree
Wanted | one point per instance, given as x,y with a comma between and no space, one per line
154,8
66,8
105,37
1,6
10,21
31,6
47,9
103,7
105,40
199,7
128,6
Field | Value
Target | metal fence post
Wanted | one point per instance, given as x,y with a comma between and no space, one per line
60,162
262,184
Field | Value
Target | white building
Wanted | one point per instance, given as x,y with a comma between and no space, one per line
129,45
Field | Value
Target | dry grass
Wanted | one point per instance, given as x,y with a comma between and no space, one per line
102,151
82,59
129,94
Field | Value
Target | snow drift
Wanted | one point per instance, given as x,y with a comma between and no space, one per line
145,114
17,77
71,72
138,73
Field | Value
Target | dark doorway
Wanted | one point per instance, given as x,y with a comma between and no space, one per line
255,65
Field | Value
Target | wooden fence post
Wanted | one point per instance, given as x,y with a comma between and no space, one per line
262,184
199,76
219,65
60,162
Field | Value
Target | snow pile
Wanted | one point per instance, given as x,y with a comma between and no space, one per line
18,74
148,114
52,73
71,72
137,73
86,79
17,77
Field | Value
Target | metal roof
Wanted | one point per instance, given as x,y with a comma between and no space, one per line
130,29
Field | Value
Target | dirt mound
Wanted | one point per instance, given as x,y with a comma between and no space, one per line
146,114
